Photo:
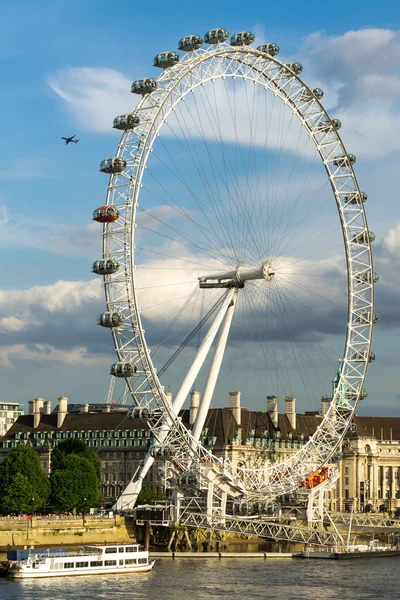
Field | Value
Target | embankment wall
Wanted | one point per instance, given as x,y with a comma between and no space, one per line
57,532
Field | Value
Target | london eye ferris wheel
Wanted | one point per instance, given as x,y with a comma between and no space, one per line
236,253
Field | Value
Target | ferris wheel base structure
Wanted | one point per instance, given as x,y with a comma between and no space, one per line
253,262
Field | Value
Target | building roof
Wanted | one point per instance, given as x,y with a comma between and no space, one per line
220,423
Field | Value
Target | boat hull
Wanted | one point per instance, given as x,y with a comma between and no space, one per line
36,574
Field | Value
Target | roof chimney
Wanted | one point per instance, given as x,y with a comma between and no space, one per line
31,405
62,410
290,410
325,404
85,408
234,404
272,409
37,410
194,406
47,407
107,408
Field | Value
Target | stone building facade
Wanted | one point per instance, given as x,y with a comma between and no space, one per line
9,413
369,460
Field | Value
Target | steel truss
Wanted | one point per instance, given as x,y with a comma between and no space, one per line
267,529
170,434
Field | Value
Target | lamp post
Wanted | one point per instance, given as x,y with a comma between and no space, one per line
83,510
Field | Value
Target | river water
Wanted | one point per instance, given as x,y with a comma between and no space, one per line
229,579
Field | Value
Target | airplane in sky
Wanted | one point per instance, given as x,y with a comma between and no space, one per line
70,139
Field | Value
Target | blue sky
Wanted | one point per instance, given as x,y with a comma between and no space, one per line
51,54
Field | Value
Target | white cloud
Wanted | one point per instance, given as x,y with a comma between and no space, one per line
11,356
392,240
93,95
12,324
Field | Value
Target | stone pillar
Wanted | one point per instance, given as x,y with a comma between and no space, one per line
290,410
194,406
62,410
234,404
272,409
47,407
37,411
325,404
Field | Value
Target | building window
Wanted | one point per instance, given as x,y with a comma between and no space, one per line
346,470
346,481
346,495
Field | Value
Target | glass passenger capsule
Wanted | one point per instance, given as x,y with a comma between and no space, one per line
123,369
325,125
105,214
142,413
363,237
166,59
158,450
365,318
310,94
362,356
366,277
144,86
190,43
356,198
124,122
295,67
111,319
105,266
112,165
216,36
344,160
270,48
243,38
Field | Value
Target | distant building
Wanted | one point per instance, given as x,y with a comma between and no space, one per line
9,413
369,459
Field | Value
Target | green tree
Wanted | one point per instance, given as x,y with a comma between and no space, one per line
75,486
67,447
24,485
147,495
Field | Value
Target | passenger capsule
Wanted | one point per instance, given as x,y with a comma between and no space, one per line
105,267
356,198
295,67
362,356
325,125
166,59
142,413
367,278
190,43
124,122
105,214
144,86
363,237
243,38
365,318
216,36
111,319
158,450
113,165
310,94
344,160
123,369
270,48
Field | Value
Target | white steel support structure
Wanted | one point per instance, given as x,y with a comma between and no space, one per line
218,62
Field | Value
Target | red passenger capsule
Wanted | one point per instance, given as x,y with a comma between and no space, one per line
105,214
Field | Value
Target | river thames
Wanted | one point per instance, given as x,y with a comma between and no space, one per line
208,579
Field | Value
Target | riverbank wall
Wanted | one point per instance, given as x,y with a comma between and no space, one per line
46,532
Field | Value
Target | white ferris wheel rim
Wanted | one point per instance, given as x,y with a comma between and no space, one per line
173,84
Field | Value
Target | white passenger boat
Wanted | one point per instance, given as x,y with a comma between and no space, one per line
90,560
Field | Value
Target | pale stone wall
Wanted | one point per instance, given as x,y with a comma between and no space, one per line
16,532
